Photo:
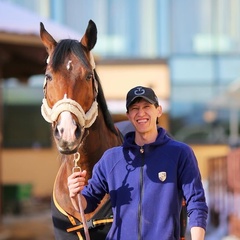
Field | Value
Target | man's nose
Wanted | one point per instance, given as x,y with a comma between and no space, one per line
141,111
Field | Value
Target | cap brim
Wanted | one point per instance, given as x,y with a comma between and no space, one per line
146,98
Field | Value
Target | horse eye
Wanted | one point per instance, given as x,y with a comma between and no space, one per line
89,76
48,77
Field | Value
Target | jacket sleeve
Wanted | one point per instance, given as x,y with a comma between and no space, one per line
96,188
193,191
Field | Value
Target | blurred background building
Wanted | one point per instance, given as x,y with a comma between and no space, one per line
198,40
187,50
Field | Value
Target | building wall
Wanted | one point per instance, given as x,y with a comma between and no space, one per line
206,152
31,166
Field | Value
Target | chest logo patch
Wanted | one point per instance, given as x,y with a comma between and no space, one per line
162,176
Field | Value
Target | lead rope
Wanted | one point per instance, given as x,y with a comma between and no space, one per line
81,210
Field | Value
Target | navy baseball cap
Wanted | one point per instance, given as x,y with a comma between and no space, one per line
141,92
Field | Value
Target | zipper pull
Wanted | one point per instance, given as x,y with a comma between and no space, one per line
141,149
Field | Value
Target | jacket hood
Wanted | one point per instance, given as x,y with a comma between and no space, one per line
162,138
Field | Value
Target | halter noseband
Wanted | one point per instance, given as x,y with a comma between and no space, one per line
67,104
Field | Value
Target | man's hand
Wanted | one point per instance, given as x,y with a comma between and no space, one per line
76,183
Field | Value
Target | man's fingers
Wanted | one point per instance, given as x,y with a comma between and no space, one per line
76,182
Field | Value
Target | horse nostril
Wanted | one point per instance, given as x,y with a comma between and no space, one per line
77,132
57,133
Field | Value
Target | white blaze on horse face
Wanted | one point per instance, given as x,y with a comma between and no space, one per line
69,65
67,127
48,60
45,82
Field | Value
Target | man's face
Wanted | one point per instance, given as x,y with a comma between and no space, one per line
143,115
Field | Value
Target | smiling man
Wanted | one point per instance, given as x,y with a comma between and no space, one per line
143,111
147,178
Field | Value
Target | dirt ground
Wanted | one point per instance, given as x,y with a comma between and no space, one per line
37,227
33,222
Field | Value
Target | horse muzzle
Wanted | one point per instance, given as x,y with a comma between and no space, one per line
68,134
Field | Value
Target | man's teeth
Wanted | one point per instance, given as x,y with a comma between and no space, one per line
142,120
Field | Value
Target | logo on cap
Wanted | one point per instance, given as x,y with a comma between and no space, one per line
139,91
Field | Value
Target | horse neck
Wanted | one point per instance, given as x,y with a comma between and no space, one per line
99,139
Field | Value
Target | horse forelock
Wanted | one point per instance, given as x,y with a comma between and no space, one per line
66,47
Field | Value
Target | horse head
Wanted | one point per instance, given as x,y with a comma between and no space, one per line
70,88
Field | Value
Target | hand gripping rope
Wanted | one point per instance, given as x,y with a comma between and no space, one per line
76,168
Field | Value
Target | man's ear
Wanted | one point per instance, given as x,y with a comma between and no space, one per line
159,111
127,114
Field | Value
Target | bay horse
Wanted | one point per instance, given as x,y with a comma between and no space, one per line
75,105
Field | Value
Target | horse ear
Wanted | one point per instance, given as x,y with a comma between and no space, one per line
89,39
47,39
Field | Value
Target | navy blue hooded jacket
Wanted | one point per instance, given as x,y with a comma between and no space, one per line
146,185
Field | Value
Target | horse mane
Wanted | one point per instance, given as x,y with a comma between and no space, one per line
103,105
62,50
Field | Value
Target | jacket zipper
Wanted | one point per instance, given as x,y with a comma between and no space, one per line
141,196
